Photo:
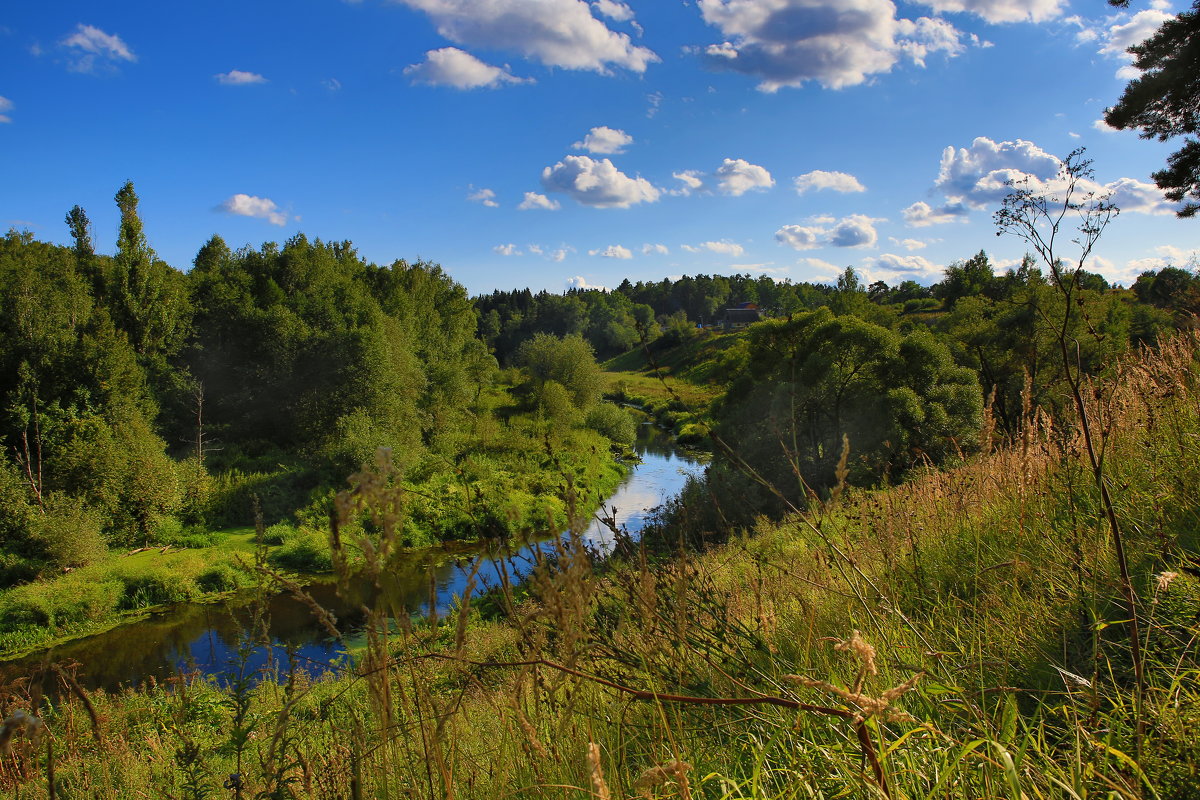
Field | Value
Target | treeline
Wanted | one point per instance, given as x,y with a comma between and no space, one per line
143,405
875,383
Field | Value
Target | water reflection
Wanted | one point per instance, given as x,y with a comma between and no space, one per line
206,637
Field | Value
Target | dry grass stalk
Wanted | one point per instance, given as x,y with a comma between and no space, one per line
672,771
599,785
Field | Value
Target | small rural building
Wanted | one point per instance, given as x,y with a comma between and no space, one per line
741,316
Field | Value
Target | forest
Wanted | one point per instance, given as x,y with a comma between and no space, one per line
973,493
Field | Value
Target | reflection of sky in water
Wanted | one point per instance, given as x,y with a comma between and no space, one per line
205,637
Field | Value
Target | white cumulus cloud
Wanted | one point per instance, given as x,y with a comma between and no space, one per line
786,43
724,247
580,282
981,176
597,183
1002,10
977,175
604,140
486,197
736,176
509,249
890,267
657,249
909,244
692,180
6,105
921,215
449,66
1122,35
1139,197
612,251
557,33
834,181
614,9
245,205
534,200
90,48
856,230
238,77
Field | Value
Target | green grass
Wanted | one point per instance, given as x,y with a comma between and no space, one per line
960,637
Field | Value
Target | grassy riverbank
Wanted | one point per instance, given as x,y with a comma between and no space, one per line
520,491
962,636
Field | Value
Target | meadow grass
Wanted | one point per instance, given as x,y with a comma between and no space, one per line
958,636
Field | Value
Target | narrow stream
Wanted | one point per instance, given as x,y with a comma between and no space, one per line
205,637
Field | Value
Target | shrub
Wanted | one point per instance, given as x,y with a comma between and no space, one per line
70,531
220,578
305,551
610,421
278,533
152,586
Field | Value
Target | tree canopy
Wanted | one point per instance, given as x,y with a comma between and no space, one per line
1164,102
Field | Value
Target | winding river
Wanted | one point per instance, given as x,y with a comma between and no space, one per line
205,637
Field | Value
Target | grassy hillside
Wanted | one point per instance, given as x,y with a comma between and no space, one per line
676,382
961,636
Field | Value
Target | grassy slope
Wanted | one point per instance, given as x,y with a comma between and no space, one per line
992,660
676,384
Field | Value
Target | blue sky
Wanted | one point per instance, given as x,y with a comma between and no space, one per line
548,143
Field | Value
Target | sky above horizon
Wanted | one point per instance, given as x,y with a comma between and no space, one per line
558,143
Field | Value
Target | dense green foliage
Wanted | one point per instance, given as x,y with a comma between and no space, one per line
143,405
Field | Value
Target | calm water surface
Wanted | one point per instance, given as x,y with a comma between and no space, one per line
193,637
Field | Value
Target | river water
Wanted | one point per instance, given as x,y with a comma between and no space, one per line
205,637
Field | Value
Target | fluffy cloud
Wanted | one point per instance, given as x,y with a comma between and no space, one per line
825,270
835,181
977,175
1119,37
245,205
6,105
484,196
91,49
921,215
692,180
657,249
534,200
892,266
909,244
557,33
612,251
789,42
856,230
613,9
800,237
237,77
509,249
1138,197
580,282
1002,10
449,66
737,176
723,247
604,140
597,183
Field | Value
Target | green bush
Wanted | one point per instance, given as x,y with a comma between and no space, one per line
152,586
610,421
70,531
220,578
278,533
305,551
